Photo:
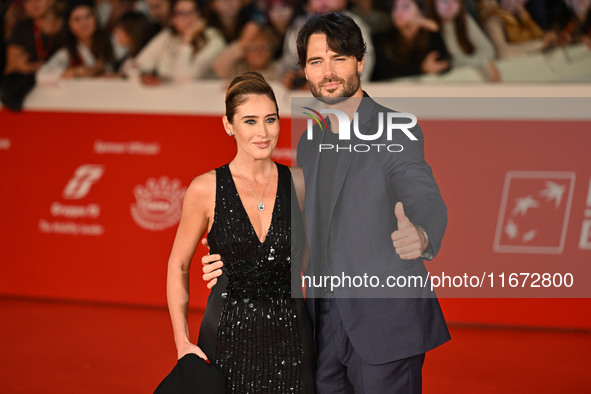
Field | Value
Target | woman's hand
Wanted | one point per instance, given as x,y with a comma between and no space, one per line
83,71
17,60
72,72
493,72
249,33
194,30
550,39
97,68
431,65
187,348
428,24
150,80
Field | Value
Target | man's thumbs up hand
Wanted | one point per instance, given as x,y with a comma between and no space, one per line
410,241
403,220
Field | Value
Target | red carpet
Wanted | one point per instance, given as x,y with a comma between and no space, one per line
52,347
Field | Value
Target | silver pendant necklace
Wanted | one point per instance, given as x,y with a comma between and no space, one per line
260,205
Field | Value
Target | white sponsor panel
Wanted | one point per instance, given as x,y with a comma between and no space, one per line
534,212
158,203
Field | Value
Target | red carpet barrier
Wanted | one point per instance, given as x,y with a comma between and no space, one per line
90,203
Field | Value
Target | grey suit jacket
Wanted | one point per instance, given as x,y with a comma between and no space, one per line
390,326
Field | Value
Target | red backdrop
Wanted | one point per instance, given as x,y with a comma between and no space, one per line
89,205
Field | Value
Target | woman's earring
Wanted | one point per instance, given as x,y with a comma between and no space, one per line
230,133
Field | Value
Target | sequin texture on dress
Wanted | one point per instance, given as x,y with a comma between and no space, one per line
258,340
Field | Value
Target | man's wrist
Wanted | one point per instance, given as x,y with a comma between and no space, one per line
425,253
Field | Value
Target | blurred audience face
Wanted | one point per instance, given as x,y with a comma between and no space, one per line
580,7
258,53
405,13
160,10
280,14
324,6
227,9
36,8
184,15
447,9
122,38
82,23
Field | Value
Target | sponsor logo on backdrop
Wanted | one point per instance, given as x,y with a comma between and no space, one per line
158,203
5,144
76,219
126,148
534,213
84,177
585,240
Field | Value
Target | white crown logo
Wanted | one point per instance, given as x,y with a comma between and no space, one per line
158,203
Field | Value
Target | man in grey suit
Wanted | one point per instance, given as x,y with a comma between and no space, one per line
358,205
376,213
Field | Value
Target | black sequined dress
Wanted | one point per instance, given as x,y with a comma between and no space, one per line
253,329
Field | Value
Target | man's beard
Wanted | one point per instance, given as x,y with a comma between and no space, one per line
350,87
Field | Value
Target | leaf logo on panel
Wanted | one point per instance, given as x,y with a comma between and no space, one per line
158,203
535,210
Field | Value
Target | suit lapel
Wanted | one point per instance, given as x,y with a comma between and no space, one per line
311,200
365,110
343,164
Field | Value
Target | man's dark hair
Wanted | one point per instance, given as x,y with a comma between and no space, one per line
343,36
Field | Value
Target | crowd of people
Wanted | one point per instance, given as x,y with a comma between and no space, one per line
160,41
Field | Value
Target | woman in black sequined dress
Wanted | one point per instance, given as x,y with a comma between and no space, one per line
253,329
